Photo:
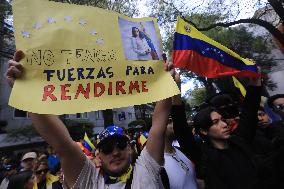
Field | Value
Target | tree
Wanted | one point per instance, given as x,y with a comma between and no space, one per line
240,39
6,32
196,97
168,10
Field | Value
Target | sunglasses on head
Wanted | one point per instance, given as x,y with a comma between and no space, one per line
42,171
110,145
279,106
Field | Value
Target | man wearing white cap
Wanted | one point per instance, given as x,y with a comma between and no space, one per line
28,161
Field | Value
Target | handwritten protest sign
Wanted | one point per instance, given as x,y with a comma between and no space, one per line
81,58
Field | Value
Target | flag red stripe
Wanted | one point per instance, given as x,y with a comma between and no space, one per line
204,66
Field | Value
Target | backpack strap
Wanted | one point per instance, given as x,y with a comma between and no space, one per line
165,178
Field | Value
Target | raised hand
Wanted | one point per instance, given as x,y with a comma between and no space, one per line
15,69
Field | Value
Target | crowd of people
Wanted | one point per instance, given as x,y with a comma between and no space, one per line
228,145
33,170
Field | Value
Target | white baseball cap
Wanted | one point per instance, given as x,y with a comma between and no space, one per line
29,155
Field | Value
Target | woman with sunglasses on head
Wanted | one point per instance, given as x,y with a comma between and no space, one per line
44,179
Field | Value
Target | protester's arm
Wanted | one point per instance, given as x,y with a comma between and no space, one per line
183,132
248,118
54,132
52,129
155,142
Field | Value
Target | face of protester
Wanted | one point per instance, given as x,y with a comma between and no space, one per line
28,164
219,130
279,106
263,119
41,172
115,160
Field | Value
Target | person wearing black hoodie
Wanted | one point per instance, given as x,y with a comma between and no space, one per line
224,160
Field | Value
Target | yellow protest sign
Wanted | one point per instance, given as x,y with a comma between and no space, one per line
82,58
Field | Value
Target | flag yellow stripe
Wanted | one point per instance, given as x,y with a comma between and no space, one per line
239,85
194,33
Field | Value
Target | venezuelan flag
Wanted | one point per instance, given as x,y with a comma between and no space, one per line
240,86
88,145
196,52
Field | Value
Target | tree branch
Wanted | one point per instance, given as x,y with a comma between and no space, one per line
276,33
278,7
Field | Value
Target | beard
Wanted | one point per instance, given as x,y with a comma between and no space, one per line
116,173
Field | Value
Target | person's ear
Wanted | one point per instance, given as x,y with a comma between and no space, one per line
203,131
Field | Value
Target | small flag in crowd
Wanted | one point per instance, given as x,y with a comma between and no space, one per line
88,145
240,86
196,52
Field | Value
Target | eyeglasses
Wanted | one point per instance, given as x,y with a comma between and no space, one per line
110,145
182,164
42,171
279,106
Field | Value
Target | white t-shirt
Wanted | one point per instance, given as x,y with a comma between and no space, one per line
4,183
180,171
146,175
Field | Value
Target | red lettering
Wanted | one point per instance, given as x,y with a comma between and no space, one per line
134,85
119,87
47,92
110,88
64,90
144,89
102,88
81,89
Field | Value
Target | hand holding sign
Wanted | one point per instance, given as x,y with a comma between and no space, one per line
15,69
77,62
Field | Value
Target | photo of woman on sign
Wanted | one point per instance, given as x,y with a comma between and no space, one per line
140,40
140,45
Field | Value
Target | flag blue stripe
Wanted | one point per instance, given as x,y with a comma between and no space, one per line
185,42
86,145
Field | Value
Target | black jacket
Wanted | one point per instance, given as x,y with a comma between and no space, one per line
232,168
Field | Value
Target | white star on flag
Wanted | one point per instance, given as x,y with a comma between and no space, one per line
93,32
51,20
68,18
37,25
100,41
25,34
82,22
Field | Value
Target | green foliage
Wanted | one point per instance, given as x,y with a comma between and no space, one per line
133,124
27,132
78,127
146,123
197,96
5,8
